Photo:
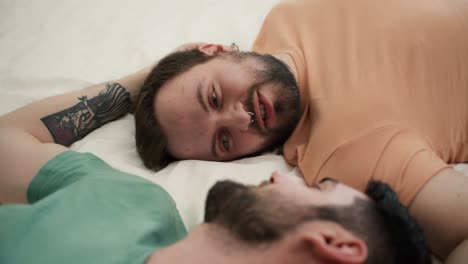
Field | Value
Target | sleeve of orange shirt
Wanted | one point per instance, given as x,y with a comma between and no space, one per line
399,157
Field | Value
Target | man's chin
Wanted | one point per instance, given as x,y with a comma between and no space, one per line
218,195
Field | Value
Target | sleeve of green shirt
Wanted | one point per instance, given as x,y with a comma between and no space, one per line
63,170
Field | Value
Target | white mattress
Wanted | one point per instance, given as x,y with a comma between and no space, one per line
49,47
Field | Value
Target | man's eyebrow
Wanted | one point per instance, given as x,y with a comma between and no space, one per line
200,98
213,148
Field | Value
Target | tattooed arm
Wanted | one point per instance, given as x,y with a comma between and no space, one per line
35,133
66,118
75,122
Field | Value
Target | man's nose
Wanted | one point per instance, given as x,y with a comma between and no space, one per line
236,117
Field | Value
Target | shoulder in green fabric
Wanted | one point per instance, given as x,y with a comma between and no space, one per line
95,215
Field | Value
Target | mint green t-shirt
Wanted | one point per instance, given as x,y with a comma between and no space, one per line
83,211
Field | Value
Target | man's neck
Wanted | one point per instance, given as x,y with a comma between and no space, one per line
207,244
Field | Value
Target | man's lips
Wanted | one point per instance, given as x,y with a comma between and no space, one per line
269,110
258,115
262,102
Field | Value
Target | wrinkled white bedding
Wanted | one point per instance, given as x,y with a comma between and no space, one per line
50,47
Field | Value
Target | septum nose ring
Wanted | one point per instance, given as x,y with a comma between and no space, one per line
251,117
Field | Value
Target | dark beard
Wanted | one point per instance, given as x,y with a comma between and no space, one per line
221,195
244,214
287,110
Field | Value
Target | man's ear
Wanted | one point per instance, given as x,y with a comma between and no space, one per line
337,245
213,49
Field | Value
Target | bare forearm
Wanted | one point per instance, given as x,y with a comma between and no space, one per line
459,255
441,208
66,118
21,157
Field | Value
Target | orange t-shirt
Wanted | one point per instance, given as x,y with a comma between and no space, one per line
384,87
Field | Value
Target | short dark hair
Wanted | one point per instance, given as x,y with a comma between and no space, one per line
149,138
391,234
151,142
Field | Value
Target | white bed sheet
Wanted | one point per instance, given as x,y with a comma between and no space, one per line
50,47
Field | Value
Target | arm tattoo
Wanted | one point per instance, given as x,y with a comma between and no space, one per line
77,121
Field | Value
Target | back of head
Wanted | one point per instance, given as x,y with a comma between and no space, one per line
391,234
404,236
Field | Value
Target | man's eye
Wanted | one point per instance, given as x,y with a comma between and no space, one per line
225,142
214,98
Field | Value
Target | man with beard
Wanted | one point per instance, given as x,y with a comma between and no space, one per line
383,89
83,211
214,103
